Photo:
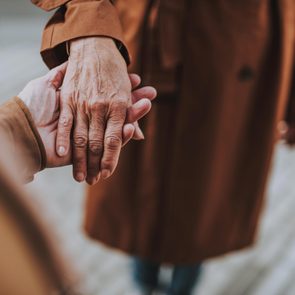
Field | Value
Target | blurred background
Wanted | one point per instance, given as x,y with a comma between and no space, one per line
266,269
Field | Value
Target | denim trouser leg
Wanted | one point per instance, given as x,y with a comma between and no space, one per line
184,279
145,274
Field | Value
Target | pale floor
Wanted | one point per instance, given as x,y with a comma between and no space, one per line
266,269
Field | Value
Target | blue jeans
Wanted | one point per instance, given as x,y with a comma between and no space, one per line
184,278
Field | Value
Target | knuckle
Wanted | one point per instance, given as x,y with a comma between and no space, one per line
113,142
96,147
121,103
98,105
119,110
80,141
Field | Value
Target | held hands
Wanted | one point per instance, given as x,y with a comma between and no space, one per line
42,97
95,97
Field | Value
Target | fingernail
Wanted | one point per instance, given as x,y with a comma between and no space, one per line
61,150
80,177
105,174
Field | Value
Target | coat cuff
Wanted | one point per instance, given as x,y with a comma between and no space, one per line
21,136
48,5
80,19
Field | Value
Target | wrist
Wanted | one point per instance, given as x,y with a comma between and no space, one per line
92,44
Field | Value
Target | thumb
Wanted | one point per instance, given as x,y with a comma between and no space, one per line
56,75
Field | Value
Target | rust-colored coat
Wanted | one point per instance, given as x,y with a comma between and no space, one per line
194,188
30,261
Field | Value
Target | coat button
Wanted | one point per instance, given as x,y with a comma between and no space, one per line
246,73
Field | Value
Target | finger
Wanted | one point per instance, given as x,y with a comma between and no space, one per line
135,80
80,141
96,142
144,92
56,75
138,134
128,132
138,110
112,141
64,129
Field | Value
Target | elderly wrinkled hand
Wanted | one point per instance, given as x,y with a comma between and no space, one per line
95,97
42,97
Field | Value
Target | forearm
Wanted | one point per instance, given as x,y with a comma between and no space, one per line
21,143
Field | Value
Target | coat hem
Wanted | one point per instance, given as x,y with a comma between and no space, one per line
169,260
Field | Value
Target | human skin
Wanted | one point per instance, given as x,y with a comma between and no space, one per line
94,100
42,97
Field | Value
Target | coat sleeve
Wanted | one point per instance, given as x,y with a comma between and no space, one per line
20,141
76,19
